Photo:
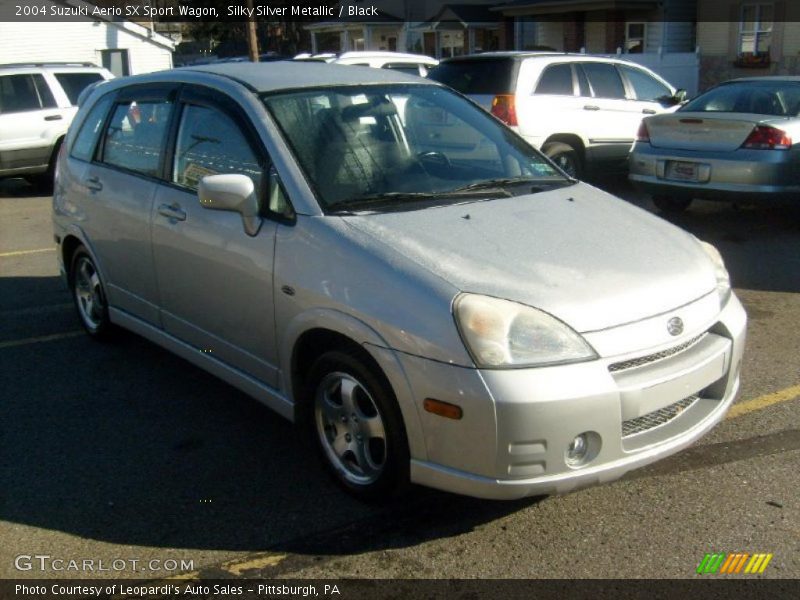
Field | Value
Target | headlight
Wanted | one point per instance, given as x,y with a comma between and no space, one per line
500,333
720,272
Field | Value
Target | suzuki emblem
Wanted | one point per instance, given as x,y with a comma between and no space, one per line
675,326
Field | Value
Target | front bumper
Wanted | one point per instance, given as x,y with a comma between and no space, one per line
642,405
743,174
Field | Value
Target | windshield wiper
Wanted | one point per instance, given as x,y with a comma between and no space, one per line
390,199
501,182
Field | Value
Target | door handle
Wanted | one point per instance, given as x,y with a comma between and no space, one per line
94,184
172,211
591,107
648,111
53,118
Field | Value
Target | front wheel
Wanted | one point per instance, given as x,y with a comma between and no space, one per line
89,295
567,158
671,204
358,427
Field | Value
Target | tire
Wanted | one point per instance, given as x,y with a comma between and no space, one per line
357,426
671,204
566,157
89,295
44,183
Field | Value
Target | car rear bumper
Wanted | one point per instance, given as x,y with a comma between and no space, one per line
741,174
637,409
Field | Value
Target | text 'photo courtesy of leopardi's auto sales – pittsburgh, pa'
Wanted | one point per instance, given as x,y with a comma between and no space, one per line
399,299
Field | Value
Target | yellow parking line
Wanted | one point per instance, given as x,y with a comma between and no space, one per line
24,252
43,338
748,406
259,561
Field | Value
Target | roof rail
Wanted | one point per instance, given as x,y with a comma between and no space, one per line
47,64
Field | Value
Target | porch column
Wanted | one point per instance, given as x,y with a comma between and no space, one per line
367,37
344,41
470,40
313,42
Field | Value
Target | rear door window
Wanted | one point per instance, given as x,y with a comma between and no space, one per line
604,79
135,136
75,83
556,80
480,76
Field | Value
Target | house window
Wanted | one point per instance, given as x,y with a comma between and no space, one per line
116,61
755,30
635,37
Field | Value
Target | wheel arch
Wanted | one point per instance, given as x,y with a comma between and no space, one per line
317,331
70,241
572,139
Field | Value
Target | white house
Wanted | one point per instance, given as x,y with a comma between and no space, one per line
121,46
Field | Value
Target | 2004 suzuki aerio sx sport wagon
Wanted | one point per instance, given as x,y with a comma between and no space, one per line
374,255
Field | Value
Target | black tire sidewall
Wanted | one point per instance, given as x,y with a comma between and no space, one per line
555,149
670,204
394,478
104,330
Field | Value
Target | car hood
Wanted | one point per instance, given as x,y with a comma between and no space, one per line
578,253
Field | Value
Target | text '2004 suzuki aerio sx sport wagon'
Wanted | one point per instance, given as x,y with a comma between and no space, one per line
373,255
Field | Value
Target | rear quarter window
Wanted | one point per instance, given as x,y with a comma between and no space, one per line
86,141
481,76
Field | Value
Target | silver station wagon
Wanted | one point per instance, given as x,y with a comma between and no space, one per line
377,258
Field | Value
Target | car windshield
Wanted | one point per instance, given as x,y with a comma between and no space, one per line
779,98
378,147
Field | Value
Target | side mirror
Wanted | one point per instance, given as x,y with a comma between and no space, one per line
232,192
680,96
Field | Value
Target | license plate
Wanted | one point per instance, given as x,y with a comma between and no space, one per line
682,171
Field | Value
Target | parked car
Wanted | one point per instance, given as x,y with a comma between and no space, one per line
373,255
582,111
37,104
413,64
326,57
735,142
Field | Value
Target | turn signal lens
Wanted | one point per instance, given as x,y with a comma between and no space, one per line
504,107
764,137
443,409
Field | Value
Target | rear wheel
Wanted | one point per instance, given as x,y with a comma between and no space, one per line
671,204
566,157
357,426
89,295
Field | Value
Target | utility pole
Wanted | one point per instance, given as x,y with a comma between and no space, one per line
252,40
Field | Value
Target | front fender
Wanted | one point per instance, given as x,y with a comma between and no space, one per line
372,342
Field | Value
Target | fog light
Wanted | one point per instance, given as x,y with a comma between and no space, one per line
583,449
577,450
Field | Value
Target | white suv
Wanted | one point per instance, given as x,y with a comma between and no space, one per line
37,104
580,110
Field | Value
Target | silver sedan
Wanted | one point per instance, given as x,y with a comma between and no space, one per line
374,256
735,142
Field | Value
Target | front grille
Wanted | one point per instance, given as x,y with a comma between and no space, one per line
643,360
657,417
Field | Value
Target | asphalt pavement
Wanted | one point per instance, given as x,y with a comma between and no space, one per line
124,452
